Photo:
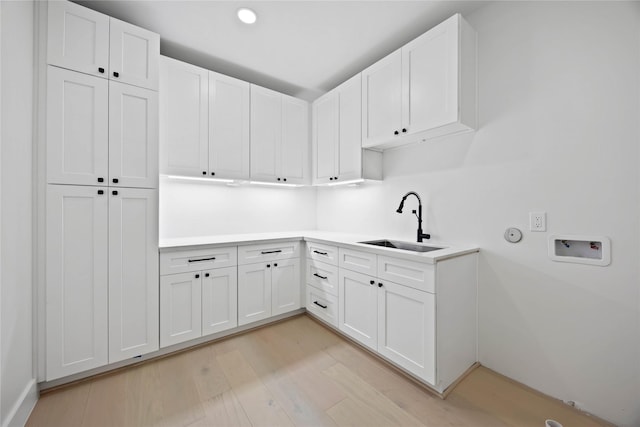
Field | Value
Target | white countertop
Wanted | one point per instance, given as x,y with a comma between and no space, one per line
327,237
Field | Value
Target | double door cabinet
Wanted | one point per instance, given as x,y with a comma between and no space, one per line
102,280
90,42
101,199
421,317
425,89
205,122
209,291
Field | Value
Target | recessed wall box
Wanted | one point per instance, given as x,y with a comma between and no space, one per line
594,250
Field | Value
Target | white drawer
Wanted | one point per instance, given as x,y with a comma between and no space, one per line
323,305
182,261
268,252
362,262
324,253
322,276
416,275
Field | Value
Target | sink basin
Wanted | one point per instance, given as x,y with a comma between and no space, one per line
405,246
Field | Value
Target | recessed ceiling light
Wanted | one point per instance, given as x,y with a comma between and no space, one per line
247,16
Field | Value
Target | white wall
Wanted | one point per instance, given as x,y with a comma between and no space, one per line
193,208
17,378
559,107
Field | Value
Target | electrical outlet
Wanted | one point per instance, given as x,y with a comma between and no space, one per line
537,221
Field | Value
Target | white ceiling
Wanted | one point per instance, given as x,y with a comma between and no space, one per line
302,48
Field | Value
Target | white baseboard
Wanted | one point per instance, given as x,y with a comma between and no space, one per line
19,414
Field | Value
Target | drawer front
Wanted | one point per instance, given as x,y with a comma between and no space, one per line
409,273
268,252
323,305
362,262
324,253
322,276
197,259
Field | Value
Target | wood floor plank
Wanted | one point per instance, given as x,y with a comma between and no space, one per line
61,408
360,391
258,403
225,410
352,413
143,407
207,374
106,402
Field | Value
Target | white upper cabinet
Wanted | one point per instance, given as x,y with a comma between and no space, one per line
184,97
229,114
279,137
78,38
423,90
205,122
134,55
83,40
77,128
133,136
337,137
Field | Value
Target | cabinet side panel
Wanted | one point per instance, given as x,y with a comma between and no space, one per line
456,312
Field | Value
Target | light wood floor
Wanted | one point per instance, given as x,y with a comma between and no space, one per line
292,373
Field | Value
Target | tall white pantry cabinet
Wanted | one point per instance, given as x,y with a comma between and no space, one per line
101,227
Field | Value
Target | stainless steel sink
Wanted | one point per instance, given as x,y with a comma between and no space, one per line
405,246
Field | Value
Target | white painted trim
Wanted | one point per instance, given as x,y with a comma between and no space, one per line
19,414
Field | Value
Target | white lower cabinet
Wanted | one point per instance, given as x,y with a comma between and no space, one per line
358,307
101,276
268,289
180,308
197,303
406,328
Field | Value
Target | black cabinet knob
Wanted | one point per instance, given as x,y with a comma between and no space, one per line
204,172
278,179
268,265
114,192
116,74
404,130
101,70
100,192
197,276
396,132
330,178
379,285
213,174
100,179
372,282
275,265
206,275
335,178
285,179
115,180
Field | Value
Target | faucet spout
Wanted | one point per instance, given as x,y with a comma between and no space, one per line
420,234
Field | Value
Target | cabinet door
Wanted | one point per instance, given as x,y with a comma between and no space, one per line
133,136
76,279
349,154
78,38
382,100
358,307
180,308
219,300
325,138
77,128
266,133
285,286
229,113
254,292
184,118
293,167
133,273
406,328
133,55
430,78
